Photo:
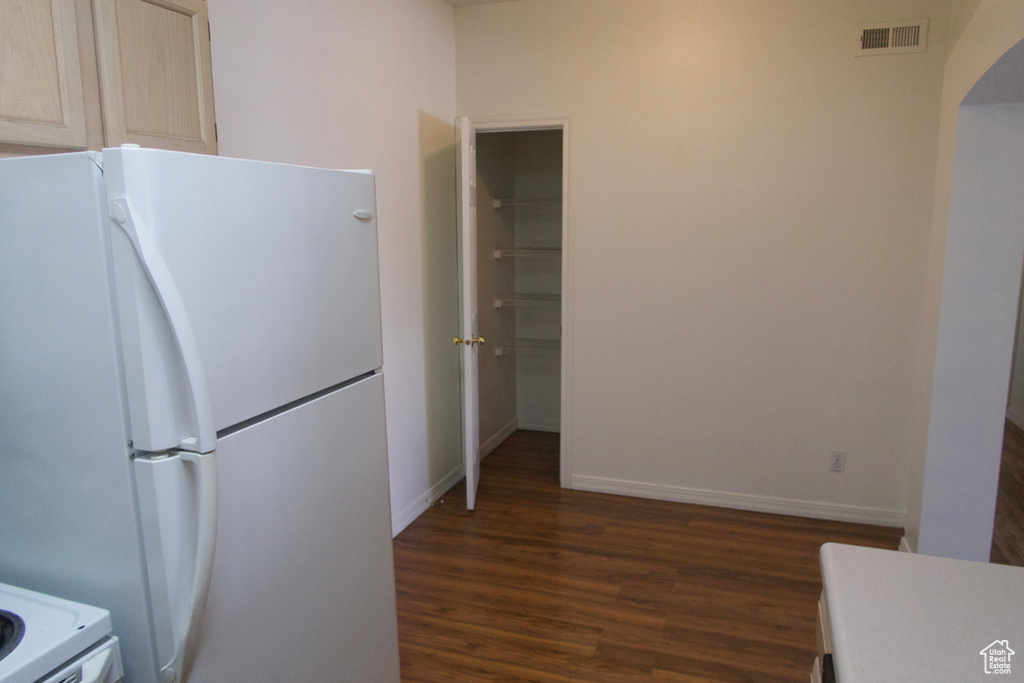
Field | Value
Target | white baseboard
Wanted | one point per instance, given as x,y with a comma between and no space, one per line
487,447
409,515
540,426
1015,417
424,501
905,545
742,501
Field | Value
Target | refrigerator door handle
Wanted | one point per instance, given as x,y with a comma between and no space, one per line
179,507
202,574
205,439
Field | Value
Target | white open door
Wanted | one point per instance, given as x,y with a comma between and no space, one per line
468,339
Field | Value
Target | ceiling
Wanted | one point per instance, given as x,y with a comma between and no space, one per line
468,3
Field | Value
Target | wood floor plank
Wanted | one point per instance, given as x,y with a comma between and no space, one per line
545,584
1008,532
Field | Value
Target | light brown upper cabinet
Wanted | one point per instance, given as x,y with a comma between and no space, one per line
156,83
41,96
77,75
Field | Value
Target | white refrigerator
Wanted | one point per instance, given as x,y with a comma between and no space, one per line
192,411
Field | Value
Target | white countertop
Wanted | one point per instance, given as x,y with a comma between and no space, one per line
904,617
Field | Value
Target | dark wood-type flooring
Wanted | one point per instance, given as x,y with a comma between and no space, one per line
545,584
1008,535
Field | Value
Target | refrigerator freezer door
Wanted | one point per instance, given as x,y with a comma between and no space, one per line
303,584
275,269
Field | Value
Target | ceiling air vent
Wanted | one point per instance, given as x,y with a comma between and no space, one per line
892,38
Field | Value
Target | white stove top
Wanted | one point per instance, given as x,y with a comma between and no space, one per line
55,631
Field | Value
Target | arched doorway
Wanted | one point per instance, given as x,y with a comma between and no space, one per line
977,321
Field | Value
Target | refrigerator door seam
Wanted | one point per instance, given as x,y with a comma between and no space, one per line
228,431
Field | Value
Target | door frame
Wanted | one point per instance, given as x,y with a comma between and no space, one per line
513,124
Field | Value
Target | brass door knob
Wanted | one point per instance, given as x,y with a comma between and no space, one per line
471,341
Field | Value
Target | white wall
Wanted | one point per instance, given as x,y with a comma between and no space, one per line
974,263
749,212
367,84
984,248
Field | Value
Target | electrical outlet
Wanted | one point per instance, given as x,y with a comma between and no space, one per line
837,461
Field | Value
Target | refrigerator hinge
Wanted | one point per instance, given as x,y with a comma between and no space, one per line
135,454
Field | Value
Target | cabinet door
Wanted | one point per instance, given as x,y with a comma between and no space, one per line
156,83
40,79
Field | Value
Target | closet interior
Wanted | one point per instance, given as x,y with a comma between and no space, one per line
519,281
